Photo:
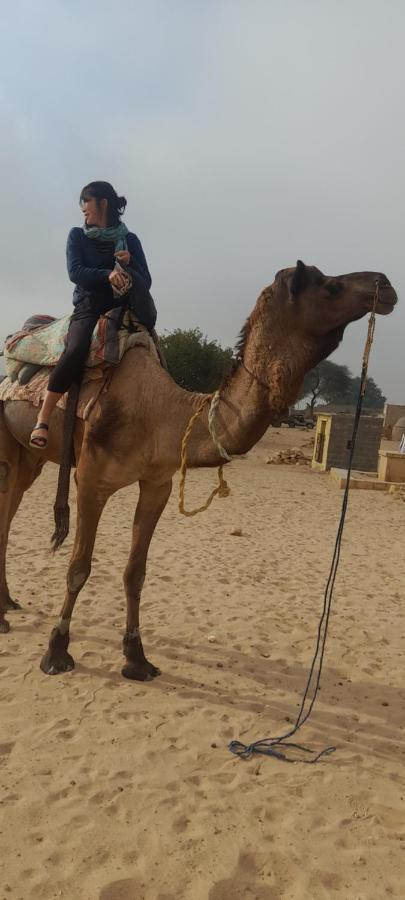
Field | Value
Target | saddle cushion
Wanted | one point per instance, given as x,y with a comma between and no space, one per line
41,342
96,379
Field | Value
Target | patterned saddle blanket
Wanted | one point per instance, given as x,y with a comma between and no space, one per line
29,380
41,342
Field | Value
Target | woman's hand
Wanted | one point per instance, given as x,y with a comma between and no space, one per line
123,256
118,279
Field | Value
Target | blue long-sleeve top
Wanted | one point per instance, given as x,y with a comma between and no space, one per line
89,262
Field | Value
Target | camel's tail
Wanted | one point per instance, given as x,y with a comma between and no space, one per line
61,507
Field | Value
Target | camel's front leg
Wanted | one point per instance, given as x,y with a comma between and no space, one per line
9,461
151,503
29,468
91,499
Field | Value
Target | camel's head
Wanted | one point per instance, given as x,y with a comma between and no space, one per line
321,305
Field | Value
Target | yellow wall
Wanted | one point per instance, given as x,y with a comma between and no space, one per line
391,467
322,436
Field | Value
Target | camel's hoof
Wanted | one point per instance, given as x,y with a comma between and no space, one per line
53,664
141,672
12,604
4,626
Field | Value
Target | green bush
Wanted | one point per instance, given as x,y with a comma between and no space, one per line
194,362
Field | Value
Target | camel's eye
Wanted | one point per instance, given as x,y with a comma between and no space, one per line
333,287
319,280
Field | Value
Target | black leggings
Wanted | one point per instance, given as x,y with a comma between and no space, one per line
70,366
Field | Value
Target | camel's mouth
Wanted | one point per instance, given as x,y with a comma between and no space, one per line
387,299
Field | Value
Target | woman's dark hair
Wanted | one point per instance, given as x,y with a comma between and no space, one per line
102,190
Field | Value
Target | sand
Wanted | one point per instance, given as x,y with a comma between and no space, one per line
113,790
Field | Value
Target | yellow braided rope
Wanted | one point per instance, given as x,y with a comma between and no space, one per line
223,488
369,341
211,425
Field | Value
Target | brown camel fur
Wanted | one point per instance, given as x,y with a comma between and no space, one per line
134,432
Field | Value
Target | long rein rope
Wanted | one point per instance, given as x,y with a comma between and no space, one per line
277,745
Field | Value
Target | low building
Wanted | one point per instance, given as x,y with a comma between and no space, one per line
333,441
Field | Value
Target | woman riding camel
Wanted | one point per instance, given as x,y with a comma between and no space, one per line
107,264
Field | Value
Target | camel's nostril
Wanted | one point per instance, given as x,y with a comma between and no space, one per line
382,281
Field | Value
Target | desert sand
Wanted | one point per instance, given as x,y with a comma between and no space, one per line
114,790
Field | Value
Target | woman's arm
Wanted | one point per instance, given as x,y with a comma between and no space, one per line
85,276
137,263
144,306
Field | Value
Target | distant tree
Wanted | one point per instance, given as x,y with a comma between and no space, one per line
335,384
329,382
373,397
194,362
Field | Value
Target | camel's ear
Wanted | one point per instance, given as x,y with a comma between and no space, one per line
299,279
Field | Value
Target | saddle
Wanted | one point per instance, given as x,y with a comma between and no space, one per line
31,352
41,342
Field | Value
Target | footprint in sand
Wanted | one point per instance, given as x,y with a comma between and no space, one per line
126,889
243,883
5,749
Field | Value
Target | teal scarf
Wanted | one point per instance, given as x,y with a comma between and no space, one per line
115,233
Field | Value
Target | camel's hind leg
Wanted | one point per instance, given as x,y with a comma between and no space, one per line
91,499
151,503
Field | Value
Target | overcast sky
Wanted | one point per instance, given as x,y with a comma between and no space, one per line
244,134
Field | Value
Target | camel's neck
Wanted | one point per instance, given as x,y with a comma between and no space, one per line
266,382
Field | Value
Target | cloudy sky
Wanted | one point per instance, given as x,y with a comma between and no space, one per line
244,134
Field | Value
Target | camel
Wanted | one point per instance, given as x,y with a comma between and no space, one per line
134,431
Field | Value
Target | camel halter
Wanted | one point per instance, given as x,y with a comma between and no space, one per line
223,489
254,376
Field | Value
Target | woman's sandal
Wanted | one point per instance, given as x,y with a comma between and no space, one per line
39,442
